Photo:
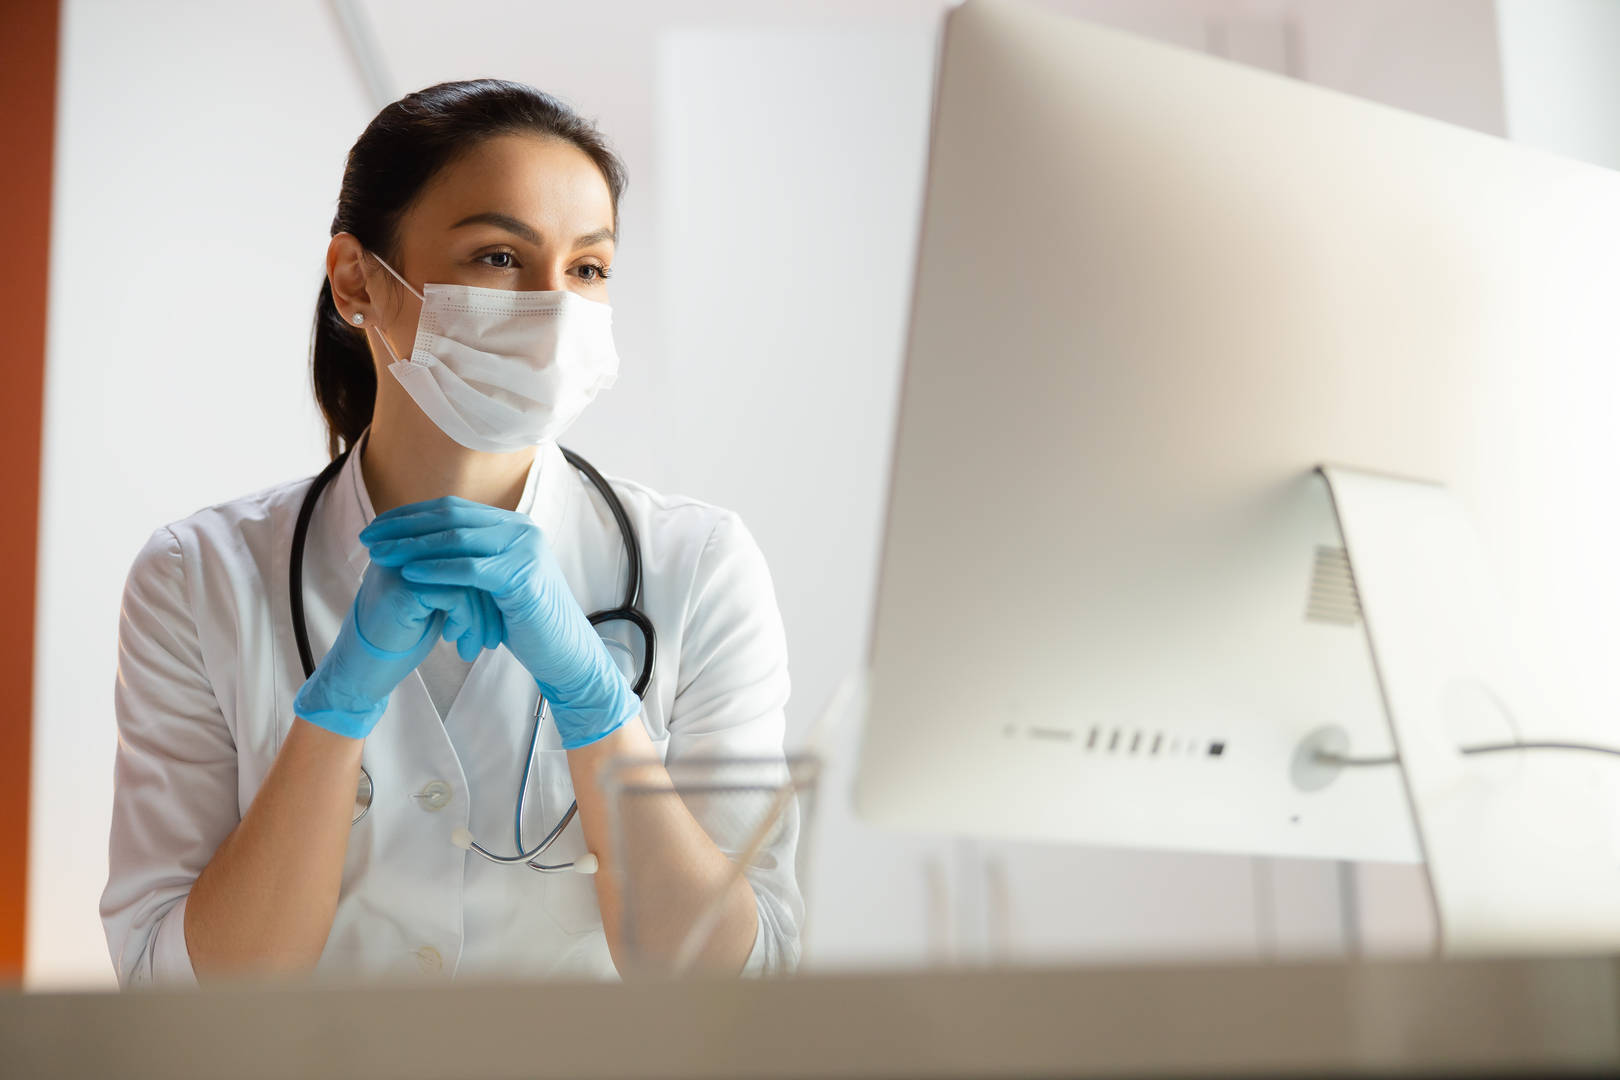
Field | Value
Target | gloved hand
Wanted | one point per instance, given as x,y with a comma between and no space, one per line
453,542
390,627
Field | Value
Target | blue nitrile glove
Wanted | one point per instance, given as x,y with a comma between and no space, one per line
390,627
454,542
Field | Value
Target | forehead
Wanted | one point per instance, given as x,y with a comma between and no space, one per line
547,183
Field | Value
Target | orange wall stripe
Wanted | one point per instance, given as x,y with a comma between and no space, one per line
28,31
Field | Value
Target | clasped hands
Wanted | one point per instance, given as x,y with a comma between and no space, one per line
482,577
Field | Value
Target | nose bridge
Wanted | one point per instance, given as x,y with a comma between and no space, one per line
551,274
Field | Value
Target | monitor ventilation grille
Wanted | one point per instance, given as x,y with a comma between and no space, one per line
1333,596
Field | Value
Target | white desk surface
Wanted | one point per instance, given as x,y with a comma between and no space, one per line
1533,1017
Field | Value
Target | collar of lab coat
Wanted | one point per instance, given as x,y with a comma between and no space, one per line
544,499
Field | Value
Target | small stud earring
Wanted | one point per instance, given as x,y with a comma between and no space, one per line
358,319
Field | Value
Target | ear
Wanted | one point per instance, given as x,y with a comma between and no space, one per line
346,270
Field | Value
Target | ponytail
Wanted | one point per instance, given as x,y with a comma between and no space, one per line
345,379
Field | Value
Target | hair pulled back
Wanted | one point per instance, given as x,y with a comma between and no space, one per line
405,146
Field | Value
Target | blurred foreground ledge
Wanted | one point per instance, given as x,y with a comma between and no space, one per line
1525,1017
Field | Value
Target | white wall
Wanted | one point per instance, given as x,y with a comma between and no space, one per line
1561,76
197,155
1434,57
775,154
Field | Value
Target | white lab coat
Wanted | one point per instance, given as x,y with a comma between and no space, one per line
207,670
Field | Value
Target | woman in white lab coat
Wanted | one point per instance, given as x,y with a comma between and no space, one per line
438,622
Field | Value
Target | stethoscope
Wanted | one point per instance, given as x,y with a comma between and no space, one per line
628,611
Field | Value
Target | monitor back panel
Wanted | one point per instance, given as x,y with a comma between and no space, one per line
1153,291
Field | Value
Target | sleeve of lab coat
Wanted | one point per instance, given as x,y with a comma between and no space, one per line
729,701
174,780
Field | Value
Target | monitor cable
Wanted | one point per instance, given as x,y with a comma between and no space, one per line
1329,758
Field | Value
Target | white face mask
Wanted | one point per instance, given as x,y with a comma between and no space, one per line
499,371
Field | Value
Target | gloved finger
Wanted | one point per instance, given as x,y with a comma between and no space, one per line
405,521
438,597
458,622
486,627
473,573
446,544
387,612
419,525
429,640
463,612
494,623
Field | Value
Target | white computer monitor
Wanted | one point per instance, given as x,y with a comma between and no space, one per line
1155,292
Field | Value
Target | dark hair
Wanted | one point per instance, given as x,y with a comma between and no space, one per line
404,147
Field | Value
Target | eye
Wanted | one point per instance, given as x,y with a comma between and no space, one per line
592,274
505,260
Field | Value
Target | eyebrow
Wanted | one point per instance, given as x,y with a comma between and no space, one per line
596,238
519,229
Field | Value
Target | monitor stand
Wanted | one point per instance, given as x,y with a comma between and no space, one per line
1522,848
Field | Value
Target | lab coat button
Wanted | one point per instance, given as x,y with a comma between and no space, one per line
434,796
429,960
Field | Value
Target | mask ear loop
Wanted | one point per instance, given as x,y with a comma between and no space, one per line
392,355
397,278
